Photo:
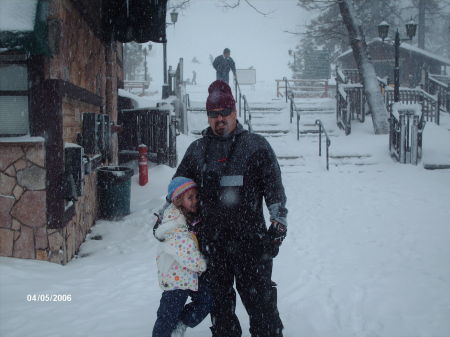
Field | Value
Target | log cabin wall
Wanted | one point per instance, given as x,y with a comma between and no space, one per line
82,75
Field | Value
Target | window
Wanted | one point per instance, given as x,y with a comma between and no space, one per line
14,102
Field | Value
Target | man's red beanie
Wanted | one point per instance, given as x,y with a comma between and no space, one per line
220,96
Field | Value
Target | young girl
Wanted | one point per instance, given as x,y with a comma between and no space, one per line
180,263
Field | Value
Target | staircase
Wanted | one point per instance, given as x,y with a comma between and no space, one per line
271,120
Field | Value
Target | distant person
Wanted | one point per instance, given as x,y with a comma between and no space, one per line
194,77
223,64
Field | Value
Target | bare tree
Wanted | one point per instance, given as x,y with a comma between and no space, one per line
236,3
366,69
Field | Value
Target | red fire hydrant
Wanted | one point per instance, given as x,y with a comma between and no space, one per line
143,165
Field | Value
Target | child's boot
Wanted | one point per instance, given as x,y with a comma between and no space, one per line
179,330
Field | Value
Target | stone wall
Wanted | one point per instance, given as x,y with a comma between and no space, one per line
23,220
65,242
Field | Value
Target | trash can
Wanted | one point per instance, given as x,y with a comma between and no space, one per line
114,191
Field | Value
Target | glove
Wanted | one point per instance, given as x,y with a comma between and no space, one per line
156,225
276,233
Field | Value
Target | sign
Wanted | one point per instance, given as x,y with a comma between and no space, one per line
246,76
316,65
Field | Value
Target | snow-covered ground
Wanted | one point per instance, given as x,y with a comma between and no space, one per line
367,252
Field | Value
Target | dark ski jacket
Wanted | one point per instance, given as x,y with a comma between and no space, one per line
234,174
223,66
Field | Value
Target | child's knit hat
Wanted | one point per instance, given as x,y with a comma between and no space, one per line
178,186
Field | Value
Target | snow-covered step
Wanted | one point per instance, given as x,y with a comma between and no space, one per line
316,112
258,125
270,131
265,108
352,160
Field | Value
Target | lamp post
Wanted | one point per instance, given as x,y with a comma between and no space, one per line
292,53
173,18
383,29
145,63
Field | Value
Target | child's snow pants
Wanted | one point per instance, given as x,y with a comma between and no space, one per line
172,309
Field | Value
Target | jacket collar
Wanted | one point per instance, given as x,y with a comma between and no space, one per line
172,219
210,134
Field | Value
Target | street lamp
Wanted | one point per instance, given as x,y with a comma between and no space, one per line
383,29
173,18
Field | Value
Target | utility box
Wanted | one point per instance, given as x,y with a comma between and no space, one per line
91,132
74,166
104,136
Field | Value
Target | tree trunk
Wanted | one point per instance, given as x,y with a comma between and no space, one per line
366,69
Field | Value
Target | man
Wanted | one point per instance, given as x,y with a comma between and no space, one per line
223,64
235,170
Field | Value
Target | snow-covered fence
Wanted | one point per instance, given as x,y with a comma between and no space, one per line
351,75
439,85
152,127
429,103
302,88
350,99
405,136
343,115
356,101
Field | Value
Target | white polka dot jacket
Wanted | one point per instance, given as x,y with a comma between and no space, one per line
178,258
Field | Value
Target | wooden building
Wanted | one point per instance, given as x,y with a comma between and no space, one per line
414,61
60,70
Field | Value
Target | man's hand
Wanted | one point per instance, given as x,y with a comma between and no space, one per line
277,233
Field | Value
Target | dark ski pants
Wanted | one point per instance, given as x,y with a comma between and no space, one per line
172,309
256,289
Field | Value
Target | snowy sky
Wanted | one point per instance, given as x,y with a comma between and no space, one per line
206,27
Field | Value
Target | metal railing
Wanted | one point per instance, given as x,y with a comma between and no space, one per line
176,86
405,137
243,99
439,85
247,114
175,78
302,87
328,141
292,108
429,103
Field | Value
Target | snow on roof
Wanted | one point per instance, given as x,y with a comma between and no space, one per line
407,46
145,102
17,15
22,139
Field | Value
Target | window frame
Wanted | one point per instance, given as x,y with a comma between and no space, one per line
21,59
